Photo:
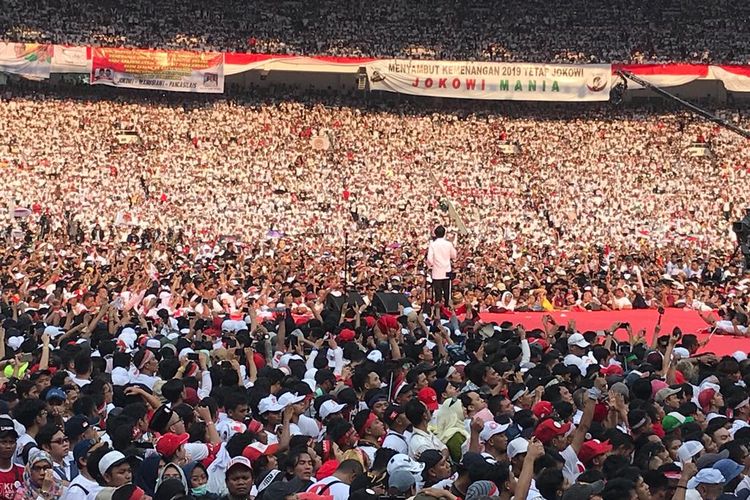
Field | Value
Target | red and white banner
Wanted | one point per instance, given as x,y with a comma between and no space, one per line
488,80
235,63
174,71
664,75
204,72
735,78
29,60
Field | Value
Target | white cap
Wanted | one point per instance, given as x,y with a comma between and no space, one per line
109,460
244,462
128,336
53,331
401,461
185,352
492,428
739,356
329,408
153,344
375,356
290,398
517,446
688,450
269,403
681,352
577,340
15,342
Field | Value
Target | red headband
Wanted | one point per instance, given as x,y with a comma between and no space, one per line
147,356
370,419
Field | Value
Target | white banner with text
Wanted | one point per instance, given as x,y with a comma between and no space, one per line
488,80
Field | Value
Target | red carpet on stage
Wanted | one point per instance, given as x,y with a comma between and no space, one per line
688,321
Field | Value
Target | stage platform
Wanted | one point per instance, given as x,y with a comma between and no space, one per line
688,321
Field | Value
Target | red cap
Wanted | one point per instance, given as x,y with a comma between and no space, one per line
260,361
592,449
549,429
254,426
167,445
327,469
212,332
346,335
542,409
612,369
543,344
191,396
705,397
679,378
256,450
600,412
386,323
429,397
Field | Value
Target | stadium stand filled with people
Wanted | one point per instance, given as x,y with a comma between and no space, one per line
533,31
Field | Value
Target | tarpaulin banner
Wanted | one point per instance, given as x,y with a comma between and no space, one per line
664,75
488,80
176,71
29,60
71,59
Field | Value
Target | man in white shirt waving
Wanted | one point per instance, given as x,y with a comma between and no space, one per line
439,257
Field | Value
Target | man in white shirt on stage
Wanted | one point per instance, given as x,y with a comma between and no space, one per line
439,257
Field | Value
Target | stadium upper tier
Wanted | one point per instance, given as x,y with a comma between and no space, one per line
532,31
225,167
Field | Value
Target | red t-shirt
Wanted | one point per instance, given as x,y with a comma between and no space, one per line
9,481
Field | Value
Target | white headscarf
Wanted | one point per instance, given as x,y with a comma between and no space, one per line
507,301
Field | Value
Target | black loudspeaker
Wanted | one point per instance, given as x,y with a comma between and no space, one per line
334,303
387,303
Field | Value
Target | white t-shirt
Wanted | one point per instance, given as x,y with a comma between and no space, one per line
573,467
421,441
80,488
396,441
581,362
120,376
622,303
228,428
533,493
144,379
80,382
331,486
370,452
20,444
725,326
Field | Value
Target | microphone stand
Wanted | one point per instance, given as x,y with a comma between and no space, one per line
346,263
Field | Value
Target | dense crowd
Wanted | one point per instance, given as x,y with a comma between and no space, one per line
173,286
531,31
